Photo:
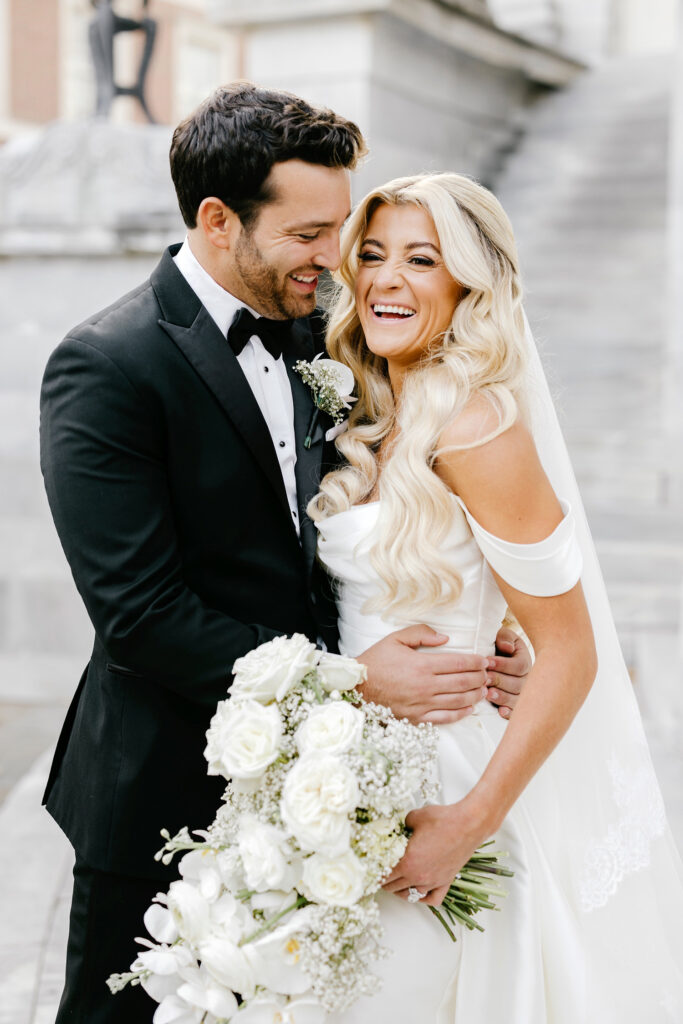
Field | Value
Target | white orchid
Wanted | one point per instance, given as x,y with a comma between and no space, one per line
190,911
202,992
281,966
270,1008
161,969
160,924
174,1010
231,965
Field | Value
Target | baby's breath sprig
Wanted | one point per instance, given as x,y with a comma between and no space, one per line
331,384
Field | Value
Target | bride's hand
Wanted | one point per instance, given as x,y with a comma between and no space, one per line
443,840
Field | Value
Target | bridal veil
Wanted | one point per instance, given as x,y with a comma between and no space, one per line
623,874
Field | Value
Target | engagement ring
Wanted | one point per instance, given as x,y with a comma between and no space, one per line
414,895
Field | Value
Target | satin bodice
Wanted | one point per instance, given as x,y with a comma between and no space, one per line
471,622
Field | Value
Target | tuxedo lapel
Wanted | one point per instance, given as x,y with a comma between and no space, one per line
193,330
308,460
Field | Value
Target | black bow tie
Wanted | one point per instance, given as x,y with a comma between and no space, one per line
273,333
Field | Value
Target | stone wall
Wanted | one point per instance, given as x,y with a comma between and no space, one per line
431,86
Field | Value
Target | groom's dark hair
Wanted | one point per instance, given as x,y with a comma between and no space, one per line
228,146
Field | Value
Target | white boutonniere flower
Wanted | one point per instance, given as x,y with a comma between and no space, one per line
331,384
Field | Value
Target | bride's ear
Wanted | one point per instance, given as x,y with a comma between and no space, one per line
218,223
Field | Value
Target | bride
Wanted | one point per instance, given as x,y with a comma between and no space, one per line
456,502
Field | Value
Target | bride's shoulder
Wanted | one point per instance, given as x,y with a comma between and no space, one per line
495,469
482,421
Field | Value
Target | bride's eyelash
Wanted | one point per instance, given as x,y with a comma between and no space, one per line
420,261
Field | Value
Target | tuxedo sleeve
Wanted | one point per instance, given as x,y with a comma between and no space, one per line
103,461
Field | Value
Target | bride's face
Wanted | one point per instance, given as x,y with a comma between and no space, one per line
405,296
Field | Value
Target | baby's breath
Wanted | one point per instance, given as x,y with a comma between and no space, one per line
324,382
386,764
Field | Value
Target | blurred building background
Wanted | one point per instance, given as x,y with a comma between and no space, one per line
571,110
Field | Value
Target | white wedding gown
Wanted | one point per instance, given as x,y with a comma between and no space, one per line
534,963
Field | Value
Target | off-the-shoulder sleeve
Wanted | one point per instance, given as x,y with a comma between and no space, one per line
548,567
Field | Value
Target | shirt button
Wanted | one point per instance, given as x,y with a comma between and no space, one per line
294,513
265,369
282,444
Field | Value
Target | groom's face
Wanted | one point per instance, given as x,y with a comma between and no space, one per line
294,237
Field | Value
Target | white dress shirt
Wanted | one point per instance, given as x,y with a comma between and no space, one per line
267,377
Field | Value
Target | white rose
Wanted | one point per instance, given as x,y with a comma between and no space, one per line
265,855
318,794
229,964
190,911
270,671
339,673
243,739
338,881
330,728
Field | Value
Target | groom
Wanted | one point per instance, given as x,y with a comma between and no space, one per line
172,446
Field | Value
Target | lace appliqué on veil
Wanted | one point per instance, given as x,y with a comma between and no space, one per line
626,846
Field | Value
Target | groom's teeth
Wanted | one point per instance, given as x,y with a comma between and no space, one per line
305,280
396,310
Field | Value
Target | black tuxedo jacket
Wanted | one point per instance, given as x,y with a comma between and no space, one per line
169,502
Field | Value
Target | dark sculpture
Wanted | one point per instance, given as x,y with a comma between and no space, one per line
102,29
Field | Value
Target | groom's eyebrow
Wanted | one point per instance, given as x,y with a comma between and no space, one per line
308,225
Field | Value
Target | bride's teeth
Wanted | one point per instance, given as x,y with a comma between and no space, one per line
396,310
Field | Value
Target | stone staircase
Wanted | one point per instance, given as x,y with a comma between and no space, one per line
587,193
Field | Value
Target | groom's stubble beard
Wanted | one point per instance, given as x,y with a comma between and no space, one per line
268,293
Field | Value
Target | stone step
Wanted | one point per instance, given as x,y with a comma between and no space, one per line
586,192
34,885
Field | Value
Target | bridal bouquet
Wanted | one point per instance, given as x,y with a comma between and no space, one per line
276,902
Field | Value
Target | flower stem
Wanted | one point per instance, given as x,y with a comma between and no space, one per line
300,901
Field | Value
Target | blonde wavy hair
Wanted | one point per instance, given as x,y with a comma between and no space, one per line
482,353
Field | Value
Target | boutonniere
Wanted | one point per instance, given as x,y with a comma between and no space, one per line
331,384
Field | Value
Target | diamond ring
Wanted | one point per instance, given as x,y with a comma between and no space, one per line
414,895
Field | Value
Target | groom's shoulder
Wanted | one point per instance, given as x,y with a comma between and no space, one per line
122,323
130,327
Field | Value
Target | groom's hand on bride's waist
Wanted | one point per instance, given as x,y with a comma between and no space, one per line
507,671
423,685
